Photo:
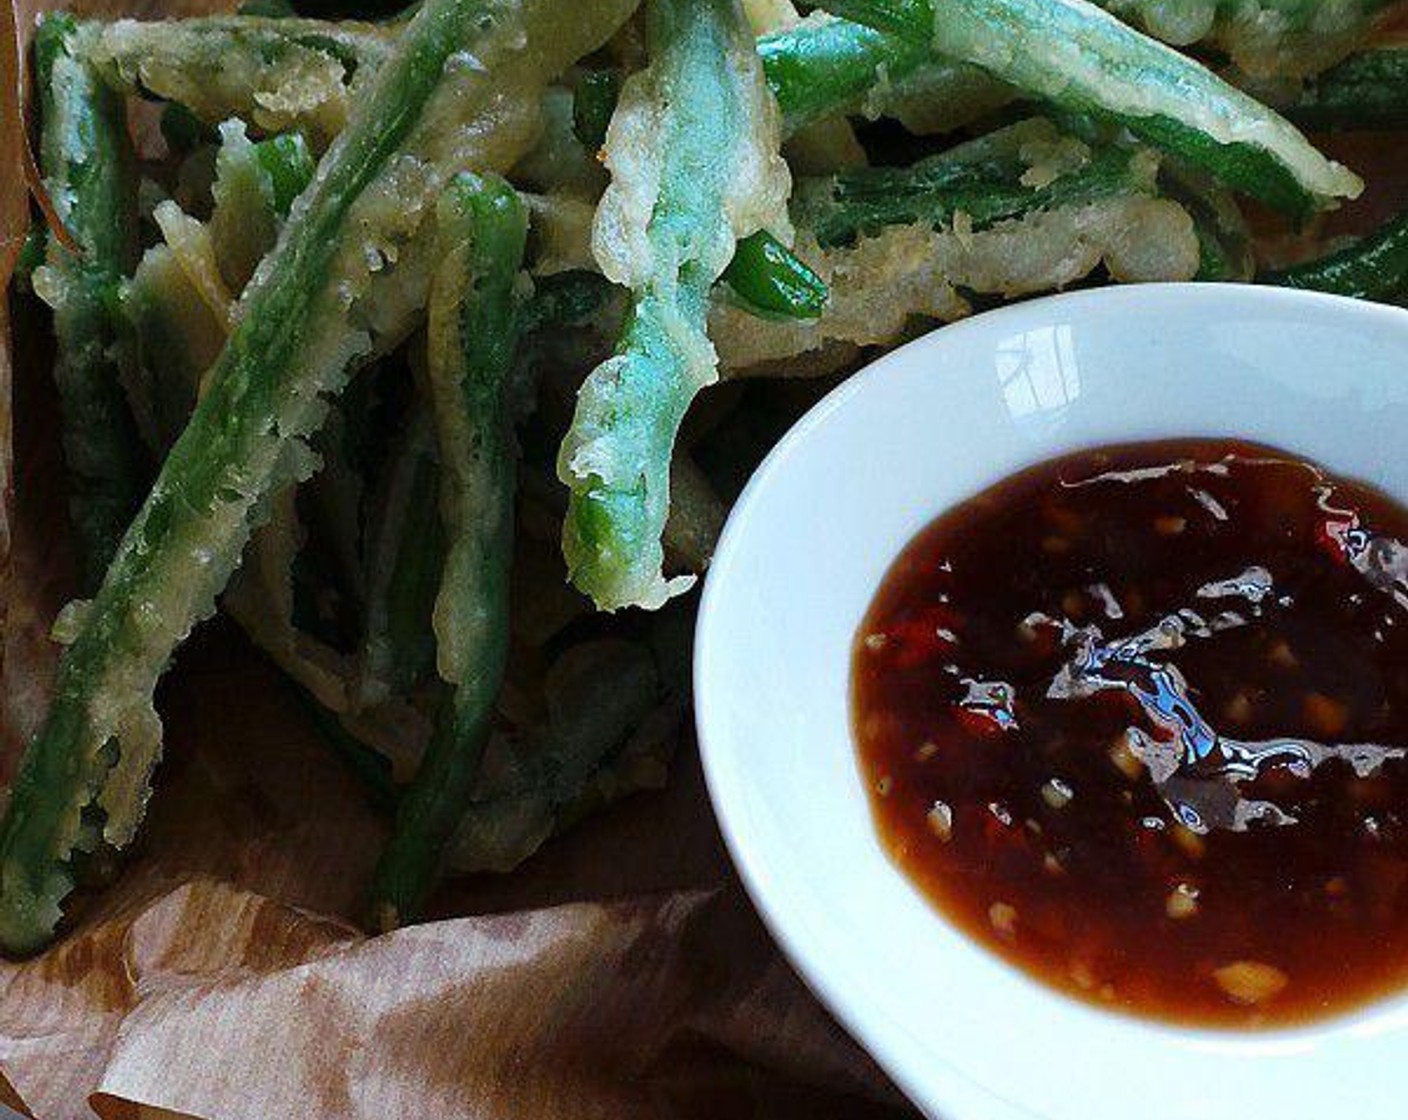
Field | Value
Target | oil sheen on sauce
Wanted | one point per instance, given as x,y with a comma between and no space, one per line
1135,719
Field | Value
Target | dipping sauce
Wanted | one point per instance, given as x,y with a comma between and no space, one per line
1136,720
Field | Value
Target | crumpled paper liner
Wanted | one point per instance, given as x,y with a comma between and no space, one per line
619,974
646,1007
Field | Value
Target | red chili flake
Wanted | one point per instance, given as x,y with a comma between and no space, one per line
1339,533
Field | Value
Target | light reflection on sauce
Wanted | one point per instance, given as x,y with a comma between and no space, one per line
1136,720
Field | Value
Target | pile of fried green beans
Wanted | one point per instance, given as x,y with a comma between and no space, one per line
423,346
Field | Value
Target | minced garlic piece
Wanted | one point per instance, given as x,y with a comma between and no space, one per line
1250,982
939,818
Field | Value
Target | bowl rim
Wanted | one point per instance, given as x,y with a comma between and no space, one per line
959,1093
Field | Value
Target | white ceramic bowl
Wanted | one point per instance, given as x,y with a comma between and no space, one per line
965,1035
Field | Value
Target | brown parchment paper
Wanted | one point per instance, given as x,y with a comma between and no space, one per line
619,974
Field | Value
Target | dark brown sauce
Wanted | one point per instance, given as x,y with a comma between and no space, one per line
1135,719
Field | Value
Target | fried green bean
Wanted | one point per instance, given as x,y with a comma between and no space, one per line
32,253
472,336
278,74
564,299
599,694
1366,90
255,185
1066,210
405,557
594,99
987,180
764,274
462,87
1084,60
695,168
613,712
406,537
771,280
1288,37
88,166
1375,267
1224,241
825,65
176,303
370,768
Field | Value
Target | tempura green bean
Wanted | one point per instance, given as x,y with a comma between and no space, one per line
88,165
1083,60
309,314
472,336
693,155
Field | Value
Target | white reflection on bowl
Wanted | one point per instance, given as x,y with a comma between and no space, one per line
1038,374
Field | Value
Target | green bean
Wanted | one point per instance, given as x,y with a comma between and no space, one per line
31,255
277,74
1082,210
593,101
825,65
770,280
472,335
909,21
696,130
564,299
764,273
1224,241
982,179
405,556
1367,90
598,693
255,185
1375,267
366,764
177,336
1287,37
289,166
614,708
1073,54
89,170
318,304
269,9
177,329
